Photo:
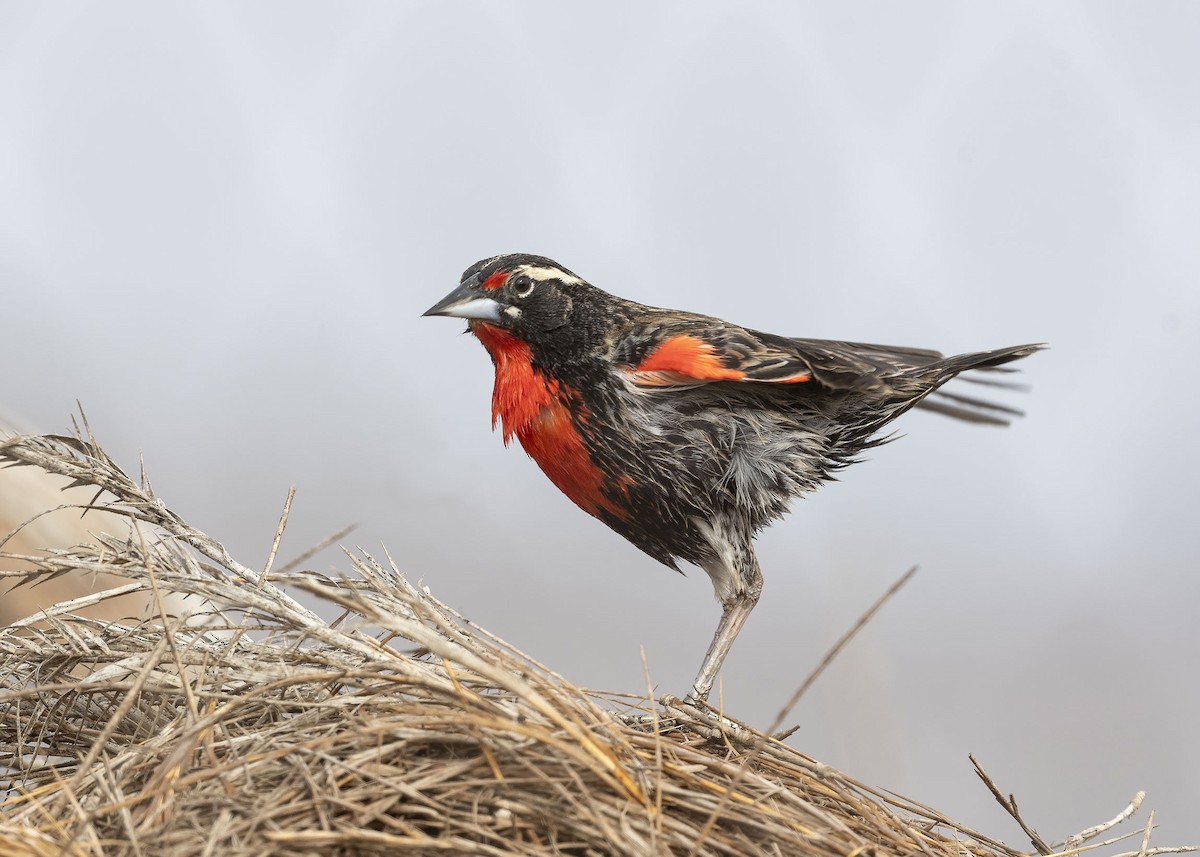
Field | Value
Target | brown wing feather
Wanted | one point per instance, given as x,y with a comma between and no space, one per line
682,350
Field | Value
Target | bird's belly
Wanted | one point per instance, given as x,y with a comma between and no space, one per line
732,456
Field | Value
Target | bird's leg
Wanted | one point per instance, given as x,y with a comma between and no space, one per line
733,616
738,583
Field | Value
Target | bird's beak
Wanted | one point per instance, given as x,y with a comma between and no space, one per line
468,301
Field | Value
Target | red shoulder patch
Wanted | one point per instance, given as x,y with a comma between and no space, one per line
685,360
687,356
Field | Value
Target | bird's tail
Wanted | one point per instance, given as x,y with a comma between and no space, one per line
931,377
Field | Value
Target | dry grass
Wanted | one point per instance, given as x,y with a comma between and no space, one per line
30,501
274,732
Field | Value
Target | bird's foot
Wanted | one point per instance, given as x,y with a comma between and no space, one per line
643,722
694,713
691,714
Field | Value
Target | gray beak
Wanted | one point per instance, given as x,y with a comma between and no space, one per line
468,301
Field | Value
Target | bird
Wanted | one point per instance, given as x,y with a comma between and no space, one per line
684,433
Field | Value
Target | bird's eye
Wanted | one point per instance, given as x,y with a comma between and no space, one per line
523,286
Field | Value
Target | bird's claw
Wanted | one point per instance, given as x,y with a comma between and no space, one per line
699,716
690,713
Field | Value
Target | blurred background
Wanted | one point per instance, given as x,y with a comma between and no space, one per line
220,222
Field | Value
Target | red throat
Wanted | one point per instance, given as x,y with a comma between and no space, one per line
538,410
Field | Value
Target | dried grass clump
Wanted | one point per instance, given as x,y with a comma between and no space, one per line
30,508
274,732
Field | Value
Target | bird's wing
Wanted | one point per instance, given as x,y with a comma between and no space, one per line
688,351
693,350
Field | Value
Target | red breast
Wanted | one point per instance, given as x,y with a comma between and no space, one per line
538,410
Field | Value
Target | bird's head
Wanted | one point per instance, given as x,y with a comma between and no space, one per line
531,297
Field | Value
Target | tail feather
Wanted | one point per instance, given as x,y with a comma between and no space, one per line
969,408
998,383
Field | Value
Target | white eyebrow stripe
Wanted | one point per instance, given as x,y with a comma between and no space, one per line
540,273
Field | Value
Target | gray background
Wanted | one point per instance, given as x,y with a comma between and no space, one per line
219,224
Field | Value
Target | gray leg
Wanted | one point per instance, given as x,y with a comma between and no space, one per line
733,616
737,582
